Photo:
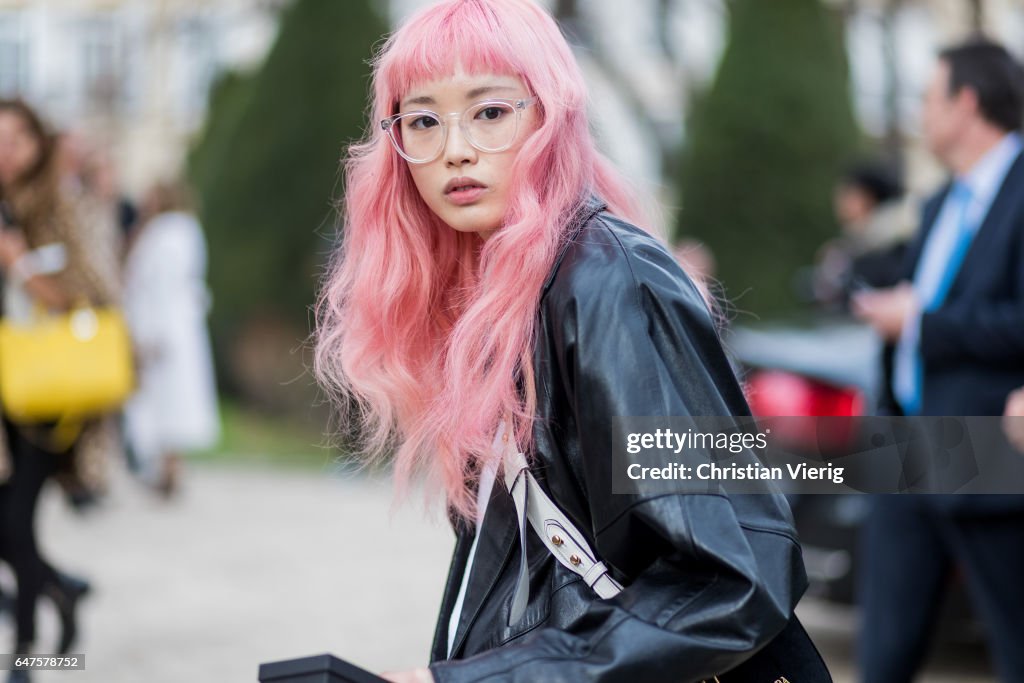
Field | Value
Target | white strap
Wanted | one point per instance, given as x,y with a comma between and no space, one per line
560,535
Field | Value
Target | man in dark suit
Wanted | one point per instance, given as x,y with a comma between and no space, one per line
956,330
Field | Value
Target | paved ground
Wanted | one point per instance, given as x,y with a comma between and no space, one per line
252,565
247,566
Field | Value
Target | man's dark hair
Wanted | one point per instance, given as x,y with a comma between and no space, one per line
994,75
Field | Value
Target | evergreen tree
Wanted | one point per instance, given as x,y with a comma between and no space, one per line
765,146
228,99
267,168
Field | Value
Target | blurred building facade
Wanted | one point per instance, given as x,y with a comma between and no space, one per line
131,75
135,74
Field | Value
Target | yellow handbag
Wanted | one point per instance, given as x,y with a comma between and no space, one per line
64,366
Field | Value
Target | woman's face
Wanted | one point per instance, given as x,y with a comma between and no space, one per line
467,188
19,149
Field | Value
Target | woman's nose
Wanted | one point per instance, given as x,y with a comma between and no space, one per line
457,149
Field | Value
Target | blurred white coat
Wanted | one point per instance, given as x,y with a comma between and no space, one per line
166,302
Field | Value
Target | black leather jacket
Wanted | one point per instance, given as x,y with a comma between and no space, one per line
710,579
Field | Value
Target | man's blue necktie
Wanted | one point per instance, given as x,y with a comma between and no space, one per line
910,396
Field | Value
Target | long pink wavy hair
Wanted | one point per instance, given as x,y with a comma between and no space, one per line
422,330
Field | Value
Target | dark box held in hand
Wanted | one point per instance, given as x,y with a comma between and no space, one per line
317,669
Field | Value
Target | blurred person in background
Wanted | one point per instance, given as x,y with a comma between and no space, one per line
69,160
871,249
490,280
957,325
99,179
174,409
87,182
88,171
50,260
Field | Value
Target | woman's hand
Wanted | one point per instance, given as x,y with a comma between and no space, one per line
412,676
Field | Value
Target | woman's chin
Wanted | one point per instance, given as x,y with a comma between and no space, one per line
484,228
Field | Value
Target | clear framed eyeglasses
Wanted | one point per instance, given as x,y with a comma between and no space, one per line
490,126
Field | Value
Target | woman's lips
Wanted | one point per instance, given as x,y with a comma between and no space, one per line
465,195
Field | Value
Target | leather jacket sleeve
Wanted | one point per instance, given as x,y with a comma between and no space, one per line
710,579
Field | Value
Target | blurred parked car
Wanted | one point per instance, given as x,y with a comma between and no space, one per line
825,368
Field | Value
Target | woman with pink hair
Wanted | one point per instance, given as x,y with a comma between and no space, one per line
489,282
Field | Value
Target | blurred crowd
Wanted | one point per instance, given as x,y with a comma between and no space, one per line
74,251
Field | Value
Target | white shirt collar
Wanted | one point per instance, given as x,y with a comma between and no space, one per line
987,175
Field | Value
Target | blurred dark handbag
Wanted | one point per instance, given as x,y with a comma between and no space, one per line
317,669
790,657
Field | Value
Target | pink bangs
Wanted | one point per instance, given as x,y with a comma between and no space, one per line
439,40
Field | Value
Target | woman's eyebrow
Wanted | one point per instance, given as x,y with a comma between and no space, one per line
424,99
487,89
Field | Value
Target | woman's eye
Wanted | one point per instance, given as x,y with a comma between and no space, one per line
423,123
491,113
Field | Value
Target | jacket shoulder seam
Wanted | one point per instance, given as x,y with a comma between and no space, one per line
625,255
